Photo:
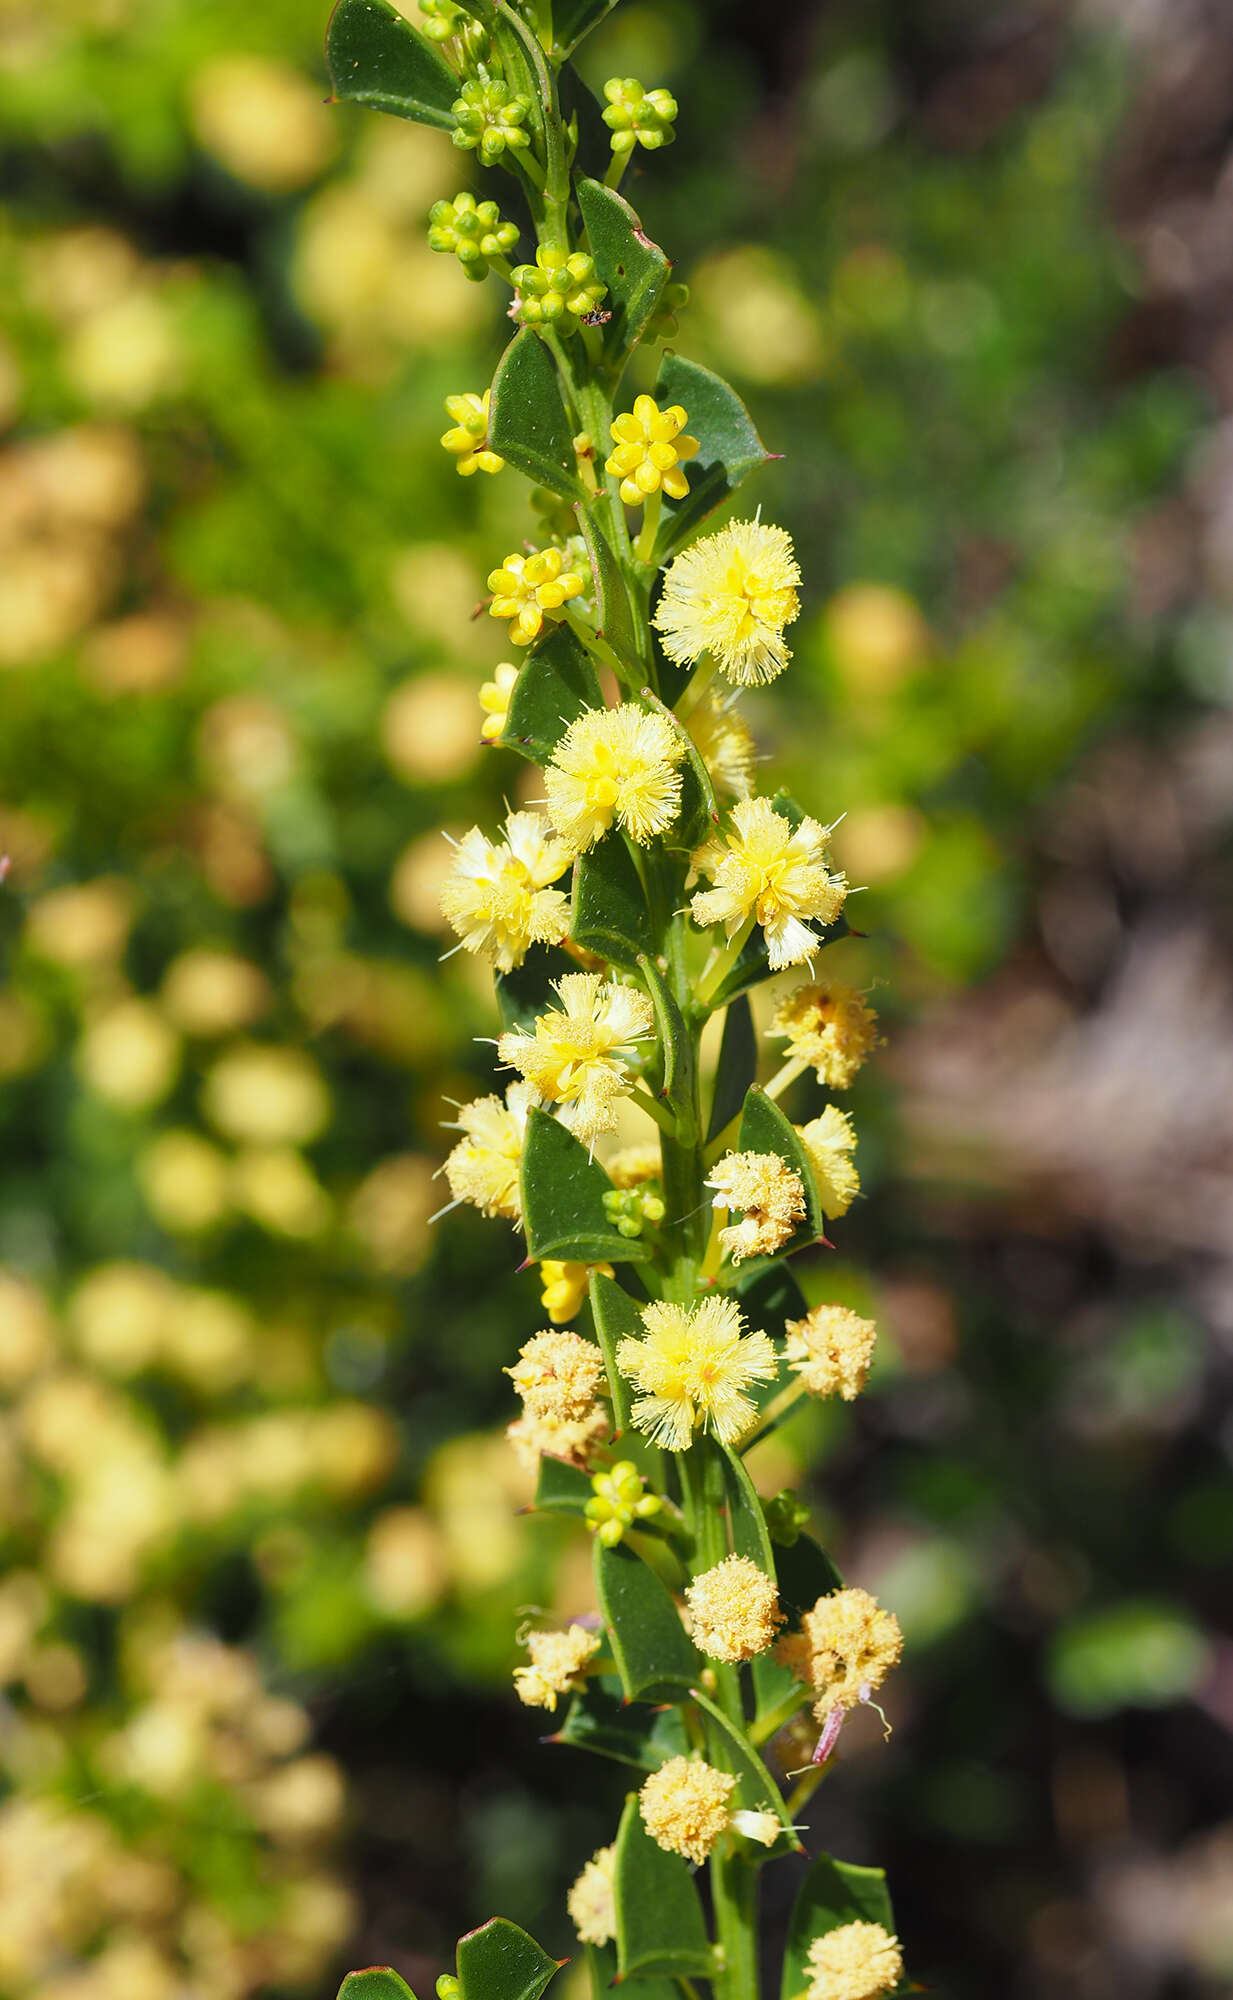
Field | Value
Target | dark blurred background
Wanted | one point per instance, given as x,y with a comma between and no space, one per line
972,265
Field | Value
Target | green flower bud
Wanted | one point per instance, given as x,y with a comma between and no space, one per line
785,1517
558,289
663,323
490,117
442,19
636,116
448,1986
630,1209
619,1499
474,232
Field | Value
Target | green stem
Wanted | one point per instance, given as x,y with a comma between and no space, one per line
794,1067
616,167
697,686
651,510
642,1097
775,1412
774,1719
723,962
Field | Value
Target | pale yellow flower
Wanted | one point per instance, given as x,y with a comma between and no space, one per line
484,1166
592,1900
770,1196
731,595
684,1806
733,1610
725,743
565,1286
495,697
828,1140
830,1349
575,1057
692,1367
557,1663
557,1374
467,439
844,1650
498,897
615,766
525,588
649,443
635,1164
572,1439
766,870
856,1962
828,1026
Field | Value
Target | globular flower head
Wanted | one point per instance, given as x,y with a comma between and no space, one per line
733,1610
473,231
576,1056
495,696
725,743
855,1962
829,1026
844,1650
684,1806
615,766
572,1439
828,1140
484,1166
560,289
564,1286
636,116
557,1663
772,872
692,1367
497,897
467,440
830,1349
650,444
731,595
528,588
489,116
592,1900
770,1195
557,1374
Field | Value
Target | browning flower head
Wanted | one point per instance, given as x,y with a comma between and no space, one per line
557,1662
828,1140
845,1648
527,587
574,1058
684,1806
467,440
725,743
495,696
498,898
770,1195
767,870
484,1166
693,1367
829,1026
557,1375
649,443
733,1609
592,1900
830,1349
615,766
571,1439
731,595
856,1962
565,1286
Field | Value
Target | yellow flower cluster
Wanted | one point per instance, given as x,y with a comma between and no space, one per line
845,1648
498,899
615,766
725,743
557,1375
526,588
733,1610
855,1962
830,1349
684,1806
564,1286
765,870
770,1196
576,1057
484,1166
495,697
592,1900
828,1027
828,1140
692,1368
557,1663
467,439
649,443
731,595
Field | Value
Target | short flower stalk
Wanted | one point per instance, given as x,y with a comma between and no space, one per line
646,885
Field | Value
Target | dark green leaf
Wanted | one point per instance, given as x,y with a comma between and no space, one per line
563,1193
611,598
572,19
832,1893
769,1295
805,1573
730,448
610,909
737,1068
660,1926
523,994
634,269
376,1982
654,1655
500,1962
756,1790
746,1519
561,1488
600,1719
764,1129
376,58
579,106
676,1052
602,1966
557,683
616,1318
771,1683
528,423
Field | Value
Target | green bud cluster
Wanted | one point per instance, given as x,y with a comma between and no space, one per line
619,1500
663,323
472,231
449,1987
558,289
490,117
638,117
785,1517
442,19
630,1209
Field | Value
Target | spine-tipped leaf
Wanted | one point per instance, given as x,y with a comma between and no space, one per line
660,1927
376,58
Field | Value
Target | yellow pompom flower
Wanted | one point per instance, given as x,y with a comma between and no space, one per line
467,440
592,1900
845,1648
525,588
615,766
731,595
557,1663
733,1610
827,1027
494,697
830,1349
692,1367
684,1806
724,742
565,1286
768,872
484,1166
576,1057
770,1196
828,1140
855,1962
498,898
649,444
557,1374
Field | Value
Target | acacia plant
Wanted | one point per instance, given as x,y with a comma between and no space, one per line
647,888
